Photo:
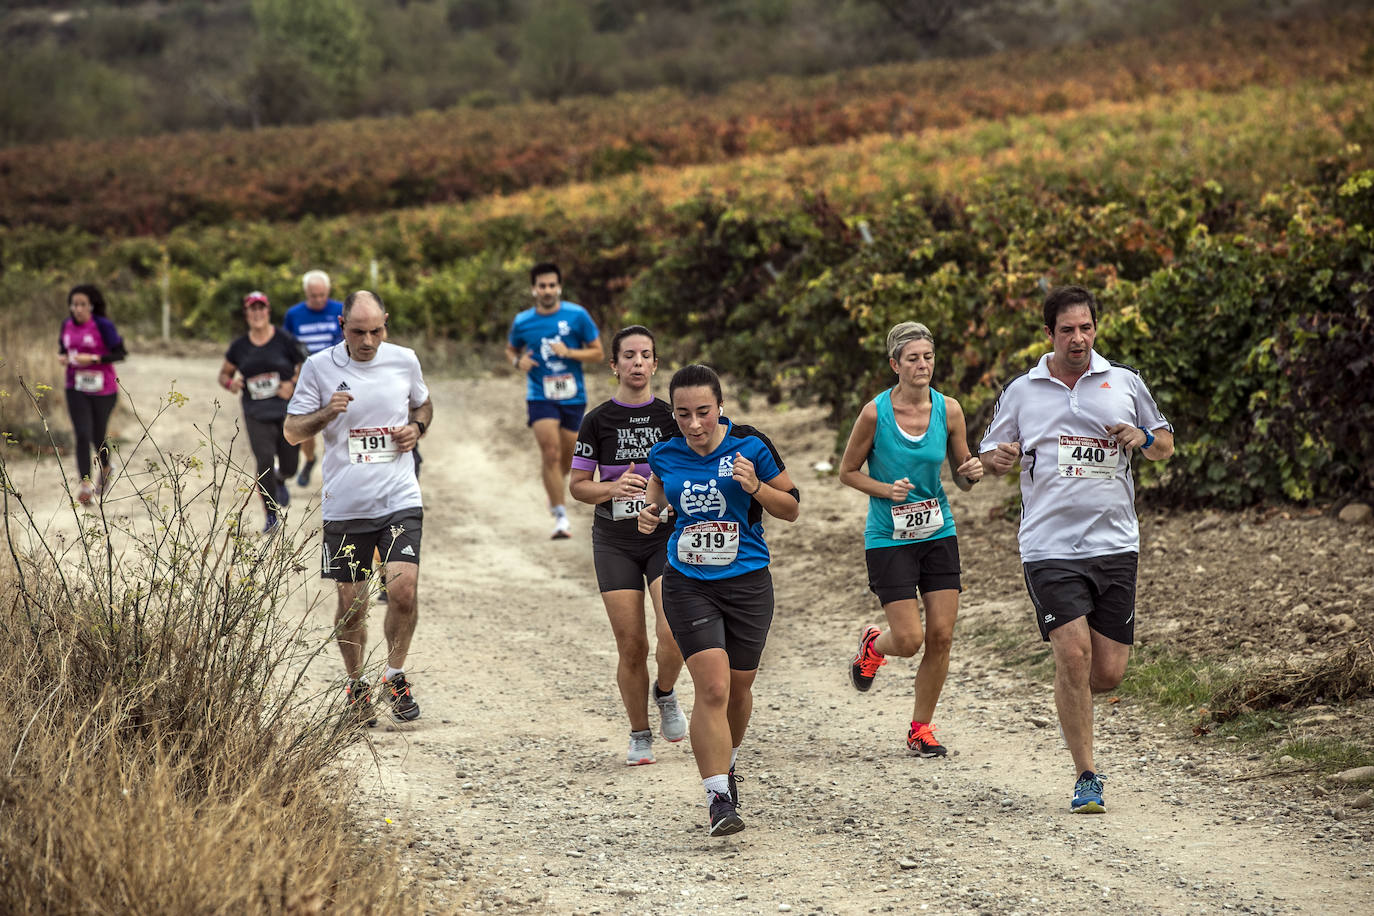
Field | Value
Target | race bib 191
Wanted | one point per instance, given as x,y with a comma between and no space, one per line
709,543
371,445
917,521
89,381
262,387
1087,457
559,387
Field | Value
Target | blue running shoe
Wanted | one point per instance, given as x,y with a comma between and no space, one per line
1087,794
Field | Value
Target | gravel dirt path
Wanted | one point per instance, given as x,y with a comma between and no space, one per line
510,793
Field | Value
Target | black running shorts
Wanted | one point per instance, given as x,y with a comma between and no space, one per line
1099,588
627,561
899,573
348,544
730,614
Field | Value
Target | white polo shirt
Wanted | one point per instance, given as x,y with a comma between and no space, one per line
1077,492
363,477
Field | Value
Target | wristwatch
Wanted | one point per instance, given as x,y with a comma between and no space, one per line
421,424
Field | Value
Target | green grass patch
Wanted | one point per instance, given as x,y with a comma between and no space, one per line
1172,680
1328,754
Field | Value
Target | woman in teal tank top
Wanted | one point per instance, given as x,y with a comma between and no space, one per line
903,436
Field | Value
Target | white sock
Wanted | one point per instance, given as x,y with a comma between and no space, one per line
720,785
559,512
734,753
392,672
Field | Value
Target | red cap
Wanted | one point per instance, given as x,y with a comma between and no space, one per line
256,295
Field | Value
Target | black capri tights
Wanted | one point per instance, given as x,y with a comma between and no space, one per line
90,415
275,458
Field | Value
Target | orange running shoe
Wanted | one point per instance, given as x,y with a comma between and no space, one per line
866,663
920,741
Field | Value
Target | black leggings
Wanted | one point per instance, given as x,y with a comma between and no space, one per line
276,459
90,415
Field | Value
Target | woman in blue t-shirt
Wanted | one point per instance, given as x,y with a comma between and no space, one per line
717,591
904,435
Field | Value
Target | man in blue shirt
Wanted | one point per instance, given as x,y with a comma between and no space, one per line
317,324
549,343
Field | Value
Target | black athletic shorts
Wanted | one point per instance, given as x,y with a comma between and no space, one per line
899,573
730,614
628,560
348,544
1099,588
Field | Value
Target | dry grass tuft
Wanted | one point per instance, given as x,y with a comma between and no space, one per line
1338,677
158,749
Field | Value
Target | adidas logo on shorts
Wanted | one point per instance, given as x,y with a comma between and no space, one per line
407,551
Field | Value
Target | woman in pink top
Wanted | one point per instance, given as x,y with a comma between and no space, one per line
89,346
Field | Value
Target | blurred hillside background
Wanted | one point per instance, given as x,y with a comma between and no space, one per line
102,70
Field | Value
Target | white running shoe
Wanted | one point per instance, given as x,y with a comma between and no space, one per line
562,528
673,724
641,750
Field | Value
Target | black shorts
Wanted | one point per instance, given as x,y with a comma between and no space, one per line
1099,588
899,573
625,561
569,416
730,614
348,544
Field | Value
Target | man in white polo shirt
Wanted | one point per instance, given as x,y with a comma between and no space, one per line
1074,422
369,399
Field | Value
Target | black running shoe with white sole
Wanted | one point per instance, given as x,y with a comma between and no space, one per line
397,693
724,819
360,705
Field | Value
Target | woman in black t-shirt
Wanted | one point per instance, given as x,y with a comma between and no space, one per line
264,365
614,444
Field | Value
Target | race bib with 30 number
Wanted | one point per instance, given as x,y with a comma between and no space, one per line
1088,457
371,445
626,507
709,544
262,387
559,387
917,521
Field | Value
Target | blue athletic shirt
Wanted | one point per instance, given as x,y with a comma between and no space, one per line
700,489
896,455
553,378
315,330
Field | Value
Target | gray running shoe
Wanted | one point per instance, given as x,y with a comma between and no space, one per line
641,750
673,724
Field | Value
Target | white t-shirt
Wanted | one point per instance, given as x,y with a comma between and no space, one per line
364,477
1077,493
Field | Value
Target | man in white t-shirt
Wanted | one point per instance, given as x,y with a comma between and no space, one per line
1073,422
369,399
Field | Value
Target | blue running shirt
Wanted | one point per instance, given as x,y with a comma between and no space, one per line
315,330
712,534
553,378
924,515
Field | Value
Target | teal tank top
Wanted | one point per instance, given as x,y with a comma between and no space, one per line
925,515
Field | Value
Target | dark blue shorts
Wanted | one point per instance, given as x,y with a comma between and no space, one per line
569,416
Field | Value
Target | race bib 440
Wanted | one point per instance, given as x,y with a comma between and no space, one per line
1087,457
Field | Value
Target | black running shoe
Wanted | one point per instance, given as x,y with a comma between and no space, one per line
724,819
360,705
734,787
403,705
303,479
